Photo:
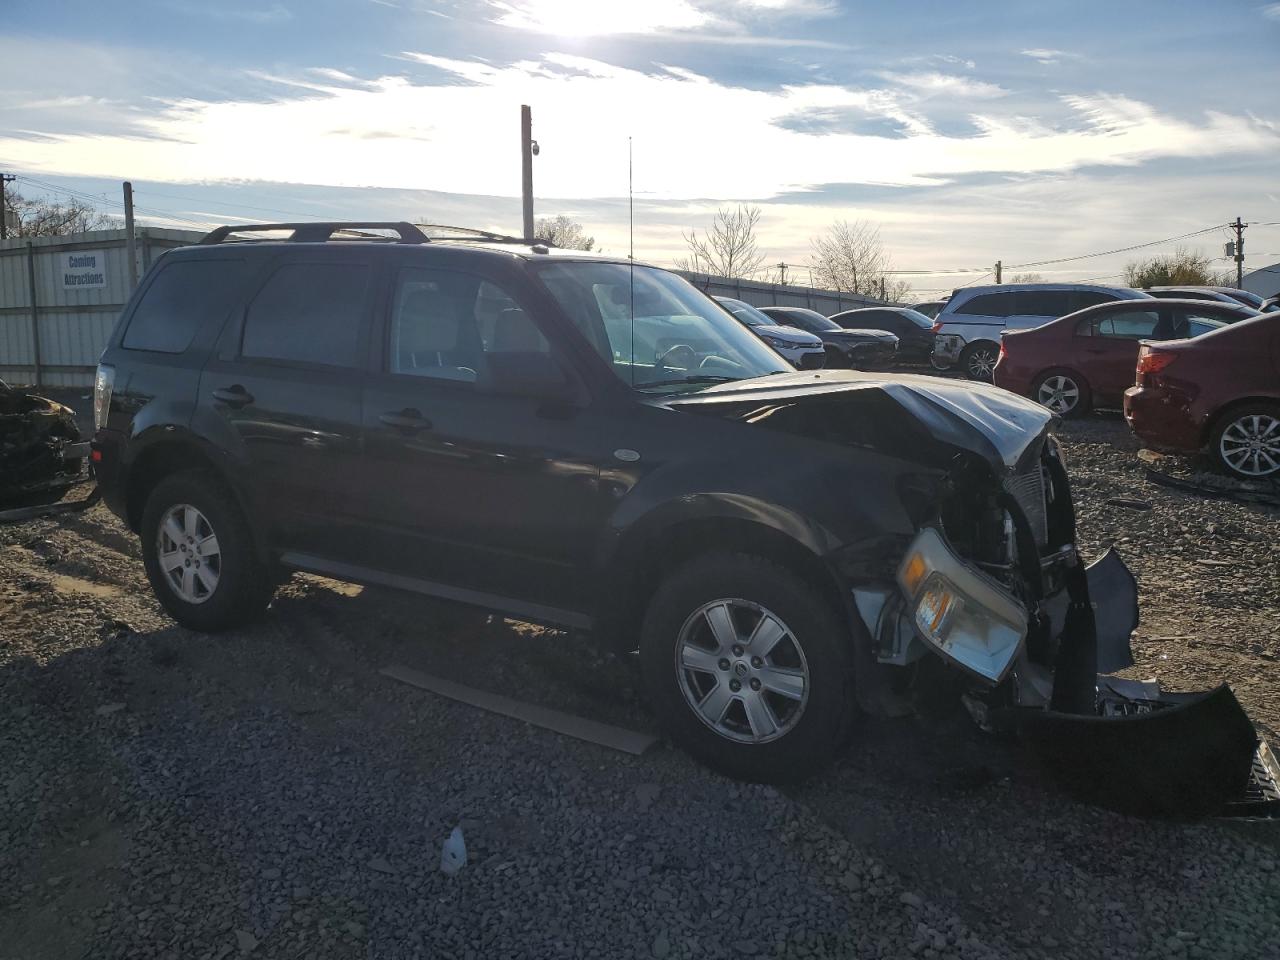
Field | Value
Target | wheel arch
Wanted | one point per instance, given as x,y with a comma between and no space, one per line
1215,420
172,453
648,551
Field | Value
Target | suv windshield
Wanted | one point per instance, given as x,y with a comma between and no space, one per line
655,329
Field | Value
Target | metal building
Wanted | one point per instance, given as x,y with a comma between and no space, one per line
78,284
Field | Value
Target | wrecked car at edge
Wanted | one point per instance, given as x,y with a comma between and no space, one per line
39,456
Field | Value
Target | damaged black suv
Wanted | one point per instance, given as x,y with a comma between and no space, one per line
590,442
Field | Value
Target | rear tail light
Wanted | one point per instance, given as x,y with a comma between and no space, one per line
1004,350
937,326
1151,363
103,384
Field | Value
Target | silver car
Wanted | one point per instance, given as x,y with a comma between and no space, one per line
971,323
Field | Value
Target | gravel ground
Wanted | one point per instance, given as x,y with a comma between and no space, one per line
266,793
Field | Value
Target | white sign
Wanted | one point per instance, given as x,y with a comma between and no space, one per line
83,269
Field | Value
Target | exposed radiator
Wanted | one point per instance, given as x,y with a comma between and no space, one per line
1028,488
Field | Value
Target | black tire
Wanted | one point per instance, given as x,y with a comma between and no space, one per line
1084,400
984,351
823,723
1240,418
244,586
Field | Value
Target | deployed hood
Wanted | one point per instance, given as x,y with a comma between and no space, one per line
994,424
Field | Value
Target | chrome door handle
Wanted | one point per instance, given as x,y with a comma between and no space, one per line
234,396
410,421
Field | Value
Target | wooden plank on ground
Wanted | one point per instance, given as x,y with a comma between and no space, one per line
604,734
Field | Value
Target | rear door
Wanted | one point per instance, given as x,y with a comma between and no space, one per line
483,449
1107,349
285,387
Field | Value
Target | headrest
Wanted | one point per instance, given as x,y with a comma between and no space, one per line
514,332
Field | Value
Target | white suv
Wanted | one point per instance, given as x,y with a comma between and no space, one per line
969,326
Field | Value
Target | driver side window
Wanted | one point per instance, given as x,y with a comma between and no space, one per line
458,327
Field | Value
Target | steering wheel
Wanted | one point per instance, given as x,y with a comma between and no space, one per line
677,352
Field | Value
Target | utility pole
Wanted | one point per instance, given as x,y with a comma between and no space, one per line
882,288
782,272
4,205
1238,227
130,241
528,150
999,271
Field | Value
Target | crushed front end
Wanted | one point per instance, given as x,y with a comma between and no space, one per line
992,583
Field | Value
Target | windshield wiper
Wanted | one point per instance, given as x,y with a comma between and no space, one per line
697,378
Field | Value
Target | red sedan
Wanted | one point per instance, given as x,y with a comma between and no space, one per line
1087,358
1221,390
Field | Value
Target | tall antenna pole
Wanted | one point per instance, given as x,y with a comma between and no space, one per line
526,169
631,203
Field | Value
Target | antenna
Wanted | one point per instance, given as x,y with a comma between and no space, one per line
631,257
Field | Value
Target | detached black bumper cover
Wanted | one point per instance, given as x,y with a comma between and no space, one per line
1139,750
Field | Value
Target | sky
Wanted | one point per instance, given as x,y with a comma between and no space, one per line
1025,131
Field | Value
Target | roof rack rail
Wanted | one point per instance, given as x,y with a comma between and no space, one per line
483,236
320,232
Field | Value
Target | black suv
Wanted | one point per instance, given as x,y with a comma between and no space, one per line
590,442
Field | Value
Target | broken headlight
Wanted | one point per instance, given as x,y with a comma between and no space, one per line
103,383
961,612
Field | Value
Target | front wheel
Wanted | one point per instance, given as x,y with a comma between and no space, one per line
749,668
979,360
200,557
1246,441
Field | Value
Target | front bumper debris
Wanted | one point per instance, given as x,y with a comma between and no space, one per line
1126,744
947,348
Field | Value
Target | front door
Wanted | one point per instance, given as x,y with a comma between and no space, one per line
284,388
482,449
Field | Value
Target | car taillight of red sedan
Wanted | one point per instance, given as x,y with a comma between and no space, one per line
1152,362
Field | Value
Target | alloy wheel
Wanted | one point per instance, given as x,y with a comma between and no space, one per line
981,364
189,556
742,671
1060,394
1251,445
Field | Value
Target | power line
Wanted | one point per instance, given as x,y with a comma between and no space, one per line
1104,253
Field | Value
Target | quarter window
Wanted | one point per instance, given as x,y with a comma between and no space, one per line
309,313
184,296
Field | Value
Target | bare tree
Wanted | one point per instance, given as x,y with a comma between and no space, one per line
48,218
563,232
1025,278
729,248
851,258
1180,268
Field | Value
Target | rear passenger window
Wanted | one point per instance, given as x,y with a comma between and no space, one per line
989,305
308,313
1130,325
184,296
1045,303
1088,298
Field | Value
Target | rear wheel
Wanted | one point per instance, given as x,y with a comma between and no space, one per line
749,668
978,361
200,557
1062,391
1246,441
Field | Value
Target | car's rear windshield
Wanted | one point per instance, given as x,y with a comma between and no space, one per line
655,329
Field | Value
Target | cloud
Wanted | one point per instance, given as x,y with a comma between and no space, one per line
594,18
943,84
1271,11
453,130
1048,56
